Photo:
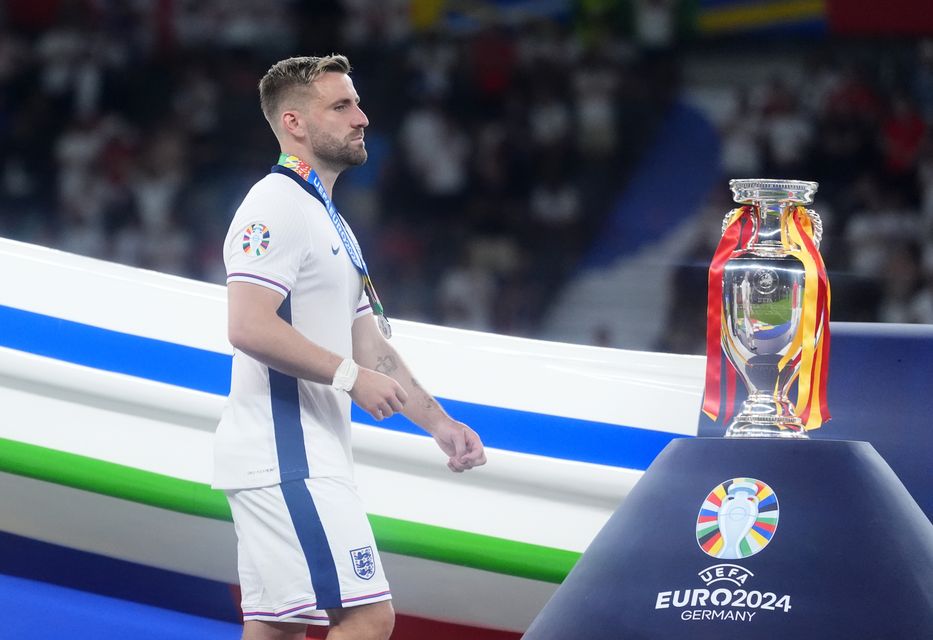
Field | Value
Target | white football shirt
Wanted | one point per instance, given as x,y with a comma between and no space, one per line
275,427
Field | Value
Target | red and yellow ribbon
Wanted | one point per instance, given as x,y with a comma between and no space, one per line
811,343
737,234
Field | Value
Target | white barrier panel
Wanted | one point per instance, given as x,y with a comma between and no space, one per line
127,366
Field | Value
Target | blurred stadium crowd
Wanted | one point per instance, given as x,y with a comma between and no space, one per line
129,131
856,117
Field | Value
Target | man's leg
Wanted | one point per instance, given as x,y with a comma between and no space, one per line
365,622
257,630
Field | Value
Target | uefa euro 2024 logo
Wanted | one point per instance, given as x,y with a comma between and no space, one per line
256,239
737,519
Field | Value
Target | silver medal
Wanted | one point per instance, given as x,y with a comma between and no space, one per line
384,326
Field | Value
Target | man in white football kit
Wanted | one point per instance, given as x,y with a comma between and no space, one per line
303,320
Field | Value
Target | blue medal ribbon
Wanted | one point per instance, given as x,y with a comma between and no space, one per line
309,176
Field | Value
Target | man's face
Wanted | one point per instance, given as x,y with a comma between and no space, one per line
336,122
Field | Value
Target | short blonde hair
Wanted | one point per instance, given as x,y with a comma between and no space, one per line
285,76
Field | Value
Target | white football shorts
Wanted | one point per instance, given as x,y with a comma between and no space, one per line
303,547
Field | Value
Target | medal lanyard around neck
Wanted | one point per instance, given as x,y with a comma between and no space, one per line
310,176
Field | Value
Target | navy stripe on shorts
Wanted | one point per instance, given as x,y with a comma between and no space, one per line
314,544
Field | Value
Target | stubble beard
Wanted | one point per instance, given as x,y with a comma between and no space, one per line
337,154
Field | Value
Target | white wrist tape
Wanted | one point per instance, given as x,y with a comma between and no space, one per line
346,374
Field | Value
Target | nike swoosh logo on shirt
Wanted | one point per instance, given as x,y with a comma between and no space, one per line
335,250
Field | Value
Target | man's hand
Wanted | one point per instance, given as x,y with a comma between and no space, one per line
462,446
379,395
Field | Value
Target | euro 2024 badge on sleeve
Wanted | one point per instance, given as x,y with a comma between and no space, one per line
256,238
737,520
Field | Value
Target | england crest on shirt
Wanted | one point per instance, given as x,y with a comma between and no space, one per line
364,562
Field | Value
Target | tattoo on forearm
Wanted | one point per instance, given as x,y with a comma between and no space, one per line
427,401
386,365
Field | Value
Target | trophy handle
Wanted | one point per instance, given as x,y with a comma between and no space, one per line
817,227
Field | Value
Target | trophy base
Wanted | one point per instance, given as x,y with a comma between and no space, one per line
764,416
757,428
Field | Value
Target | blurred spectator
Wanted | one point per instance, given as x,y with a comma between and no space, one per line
549,116
923,78
786,130
902,133
901,284
741,140
375,23
436,151
596,88
877,230
467,294
655,24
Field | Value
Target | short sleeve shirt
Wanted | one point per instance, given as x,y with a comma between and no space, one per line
275,427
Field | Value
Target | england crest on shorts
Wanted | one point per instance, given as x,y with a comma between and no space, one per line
364,562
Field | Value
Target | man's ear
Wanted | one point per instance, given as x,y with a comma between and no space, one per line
292,123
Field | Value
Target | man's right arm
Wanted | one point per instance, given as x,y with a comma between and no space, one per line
255,328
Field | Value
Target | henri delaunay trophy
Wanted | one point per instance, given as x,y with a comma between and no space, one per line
768,310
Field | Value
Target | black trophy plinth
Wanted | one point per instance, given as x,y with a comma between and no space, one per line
837,549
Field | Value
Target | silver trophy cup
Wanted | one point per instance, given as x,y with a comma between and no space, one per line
763,293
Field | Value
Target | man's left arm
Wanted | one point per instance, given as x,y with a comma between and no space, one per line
371,350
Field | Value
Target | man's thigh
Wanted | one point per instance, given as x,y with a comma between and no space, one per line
304,547
256,630
370,622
